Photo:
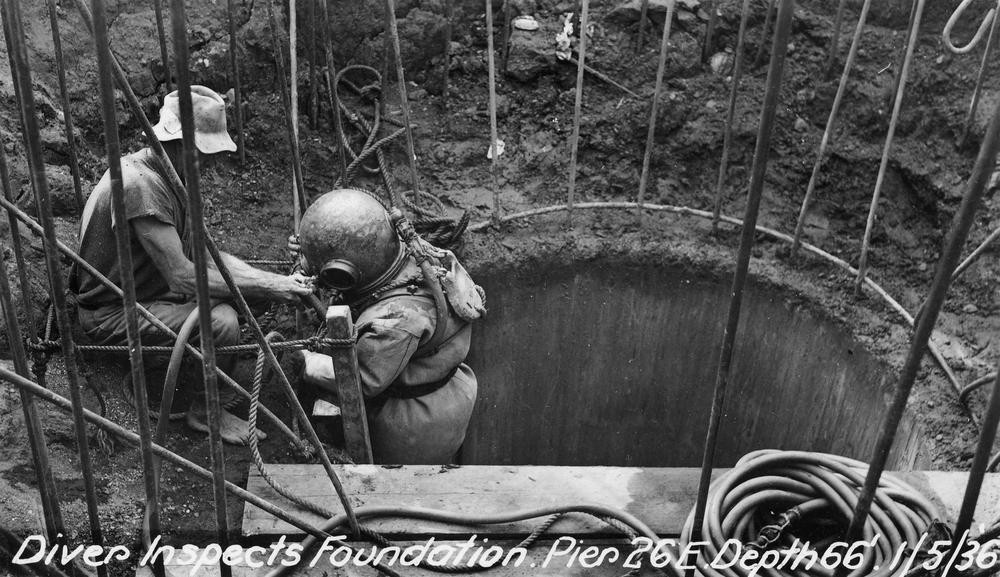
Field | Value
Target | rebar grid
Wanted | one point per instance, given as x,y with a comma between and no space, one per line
945,274
123,238
14,37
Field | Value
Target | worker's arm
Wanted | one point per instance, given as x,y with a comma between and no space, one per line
162,243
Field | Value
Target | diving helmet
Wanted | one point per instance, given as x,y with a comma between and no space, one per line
349,243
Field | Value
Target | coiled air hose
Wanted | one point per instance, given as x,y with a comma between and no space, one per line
770,499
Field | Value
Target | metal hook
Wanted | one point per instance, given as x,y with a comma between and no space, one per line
958,13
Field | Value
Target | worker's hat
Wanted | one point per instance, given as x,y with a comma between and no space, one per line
210,135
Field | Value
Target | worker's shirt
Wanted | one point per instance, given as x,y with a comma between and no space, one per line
392,329
147,194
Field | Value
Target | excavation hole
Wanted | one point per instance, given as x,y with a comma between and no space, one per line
601,363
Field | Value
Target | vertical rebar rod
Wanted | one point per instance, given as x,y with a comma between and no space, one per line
161,34
782,30
977,93
764,34
293,74
834,50
830,123
8,192
19,52
293,142
727,139
505,48
655,104
449,16
330,73
74,162
494,137
957,235
980,462
123,238
178,21
404,103
313,58
234,70
640,38
239,301
574,141
52,515
713,18
899,69
54,525
883,169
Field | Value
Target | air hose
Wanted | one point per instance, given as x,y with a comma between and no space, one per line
771,499
613,517
410,238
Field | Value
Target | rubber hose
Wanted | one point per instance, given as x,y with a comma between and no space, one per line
485,519
410,237
819,490
166,401
312,301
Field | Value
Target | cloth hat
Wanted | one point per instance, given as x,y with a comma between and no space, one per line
210,135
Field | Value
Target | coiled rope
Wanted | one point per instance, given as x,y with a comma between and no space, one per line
430,219
770,496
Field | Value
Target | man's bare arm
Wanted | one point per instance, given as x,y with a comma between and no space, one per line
163,244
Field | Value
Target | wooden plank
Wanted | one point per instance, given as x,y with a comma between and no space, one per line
351,401
661,497
544,559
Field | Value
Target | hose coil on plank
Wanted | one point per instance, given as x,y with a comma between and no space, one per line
772,499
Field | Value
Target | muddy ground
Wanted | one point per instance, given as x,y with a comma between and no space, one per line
250,213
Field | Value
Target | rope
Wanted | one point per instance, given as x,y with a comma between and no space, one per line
311,343
431,223
272,262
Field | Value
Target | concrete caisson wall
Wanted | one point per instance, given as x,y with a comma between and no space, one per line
597,363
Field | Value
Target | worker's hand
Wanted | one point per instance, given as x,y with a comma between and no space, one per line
294,247
296,285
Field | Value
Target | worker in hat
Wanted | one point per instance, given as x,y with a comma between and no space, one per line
413,328
161,251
